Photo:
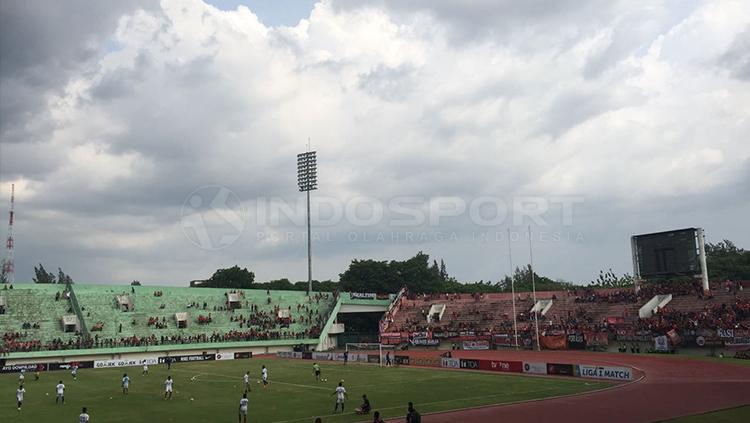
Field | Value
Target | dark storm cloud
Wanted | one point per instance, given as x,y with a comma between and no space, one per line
42,44
423,98
737,57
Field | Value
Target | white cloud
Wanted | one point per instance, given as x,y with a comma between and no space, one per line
628,107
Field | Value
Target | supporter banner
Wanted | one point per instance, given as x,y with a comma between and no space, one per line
444,335
469,364
725,333
225,356
306,355
535,368
738,344
503,340
188,358
554,342
476,345
125,362
68,366
420,335
390,341
362,295
628,335
243,355
576,341
596,338
452,363
297,354
615,320
16,368
674,337
501,366
285,354
373,358
425,361
605,372
560,369
661,343
390,335
401,359
424,342
382,296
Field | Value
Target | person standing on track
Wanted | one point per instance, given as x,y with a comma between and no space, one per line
412,415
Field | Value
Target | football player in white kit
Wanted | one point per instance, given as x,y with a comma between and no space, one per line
125,383
74,372
22,376
168,387
60,398
246,380
243,408
84,416
19,396
264,375
145,368
341,395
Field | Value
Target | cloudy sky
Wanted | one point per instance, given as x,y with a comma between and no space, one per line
158,141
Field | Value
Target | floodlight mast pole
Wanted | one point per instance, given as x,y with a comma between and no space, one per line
309,248
307,181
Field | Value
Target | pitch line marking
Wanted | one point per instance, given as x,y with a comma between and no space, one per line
427,403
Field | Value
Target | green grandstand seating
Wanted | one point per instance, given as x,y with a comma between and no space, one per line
36,303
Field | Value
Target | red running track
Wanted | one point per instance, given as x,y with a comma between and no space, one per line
671,387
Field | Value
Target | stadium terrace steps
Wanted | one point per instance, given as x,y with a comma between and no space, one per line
35,303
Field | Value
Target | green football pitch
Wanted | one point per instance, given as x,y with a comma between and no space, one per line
210,392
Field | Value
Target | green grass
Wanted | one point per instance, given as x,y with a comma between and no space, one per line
293,394
730,415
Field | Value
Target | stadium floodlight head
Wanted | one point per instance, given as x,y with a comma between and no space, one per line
307,171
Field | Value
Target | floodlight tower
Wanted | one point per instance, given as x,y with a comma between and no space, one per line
307,180
8,272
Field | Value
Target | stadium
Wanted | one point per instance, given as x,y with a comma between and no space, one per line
613,354
504,211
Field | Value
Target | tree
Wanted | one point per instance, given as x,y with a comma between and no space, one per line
62,277
608,279
415,273
41,275
232,278
726,261
523,282
135,283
